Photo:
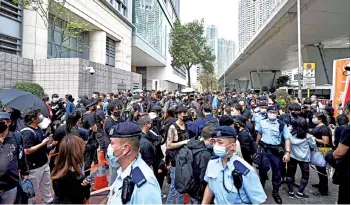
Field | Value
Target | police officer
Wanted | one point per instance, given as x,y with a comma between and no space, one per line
230,179
135,182
262,114
270,136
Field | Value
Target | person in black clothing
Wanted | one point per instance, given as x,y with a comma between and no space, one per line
341,120
35,148
68,175
57,108
12,159
99,119
322,135
92,144
71,127
245,111
329,112
247,143
153,102
201,159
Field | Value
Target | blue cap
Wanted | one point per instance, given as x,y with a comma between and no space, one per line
262,98
91,104
272,107
125,130
240,119
262,103
224,132
4,116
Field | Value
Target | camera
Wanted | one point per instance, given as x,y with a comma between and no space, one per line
91,70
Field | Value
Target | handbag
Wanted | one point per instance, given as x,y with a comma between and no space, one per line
317,159
27,187
324,150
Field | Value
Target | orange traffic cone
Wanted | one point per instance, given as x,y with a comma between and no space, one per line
100,177
186,199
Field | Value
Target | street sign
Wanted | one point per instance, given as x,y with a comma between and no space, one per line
309,66
309,81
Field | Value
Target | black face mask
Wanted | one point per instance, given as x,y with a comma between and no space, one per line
187,118
3,127
94,109
117,113
294,114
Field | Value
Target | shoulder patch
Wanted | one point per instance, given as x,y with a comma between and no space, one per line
244,170
214,157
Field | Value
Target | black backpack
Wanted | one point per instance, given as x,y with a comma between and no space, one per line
212,122
186,169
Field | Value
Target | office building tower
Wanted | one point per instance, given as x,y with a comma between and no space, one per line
247,22
212,41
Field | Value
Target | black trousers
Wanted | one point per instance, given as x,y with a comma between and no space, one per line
291,171
344,191
323,180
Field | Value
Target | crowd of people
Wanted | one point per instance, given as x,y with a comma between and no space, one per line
215,147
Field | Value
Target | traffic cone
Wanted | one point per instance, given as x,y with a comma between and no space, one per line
100,177
186,199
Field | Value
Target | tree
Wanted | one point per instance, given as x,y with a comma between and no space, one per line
282,81
53,12
208,80
188,46
33,88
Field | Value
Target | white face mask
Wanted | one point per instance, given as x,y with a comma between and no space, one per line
41,118
55,99
263,111
272,116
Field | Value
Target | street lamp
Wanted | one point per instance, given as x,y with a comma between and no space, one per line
299,47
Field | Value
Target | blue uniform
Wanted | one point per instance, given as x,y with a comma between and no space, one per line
271,135
257,117
270,132
148,193
251,191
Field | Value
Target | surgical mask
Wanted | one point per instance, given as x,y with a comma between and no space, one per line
220,151
263,111
314,121
113,159
3,127
40,118
272,116
55,99
232,113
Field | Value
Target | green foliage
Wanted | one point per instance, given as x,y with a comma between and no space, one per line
208,80
33,88
282,81
281,94
188,47
52,12
282,103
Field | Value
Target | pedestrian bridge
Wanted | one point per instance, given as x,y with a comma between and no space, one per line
325,35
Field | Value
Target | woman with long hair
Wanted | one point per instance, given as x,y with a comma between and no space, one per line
68,181
322,135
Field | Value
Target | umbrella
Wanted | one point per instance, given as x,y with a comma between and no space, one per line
188,90
138,90
21,100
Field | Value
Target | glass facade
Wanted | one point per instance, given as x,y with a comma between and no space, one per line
58,47
150,23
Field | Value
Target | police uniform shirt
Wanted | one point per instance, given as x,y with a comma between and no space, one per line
148,193
250,192
270,132
257,118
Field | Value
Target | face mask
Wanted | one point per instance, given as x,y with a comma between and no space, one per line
220,151
40,118
263,111
186,118
3,127
116,113
94,109
55,99
294,114
113,159
272,116
314,121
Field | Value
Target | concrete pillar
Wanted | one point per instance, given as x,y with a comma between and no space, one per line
97,46
35,36
123,55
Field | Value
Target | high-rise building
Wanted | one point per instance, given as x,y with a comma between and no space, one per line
212,41
252,15
153,21
226,54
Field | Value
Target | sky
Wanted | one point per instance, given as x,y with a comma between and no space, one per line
221,13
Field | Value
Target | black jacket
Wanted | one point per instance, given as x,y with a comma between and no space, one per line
148,151
10,162
201,160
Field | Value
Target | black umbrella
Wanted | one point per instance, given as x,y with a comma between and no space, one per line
21,100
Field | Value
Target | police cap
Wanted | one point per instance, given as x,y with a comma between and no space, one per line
125,130
272,107
224,132
240,118
4,116
262,103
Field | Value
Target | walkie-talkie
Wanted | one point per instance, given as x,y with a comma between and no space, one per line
127,189
237,178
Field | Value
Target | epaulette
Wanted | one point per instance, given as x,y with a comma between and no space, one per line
241,167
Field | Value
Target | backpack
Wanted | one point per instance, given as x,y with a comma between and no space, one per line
212,122
18,139
185,172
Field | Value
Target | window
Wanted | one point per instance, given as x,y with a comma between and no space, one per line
58,47
9,44
120,6
110,51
